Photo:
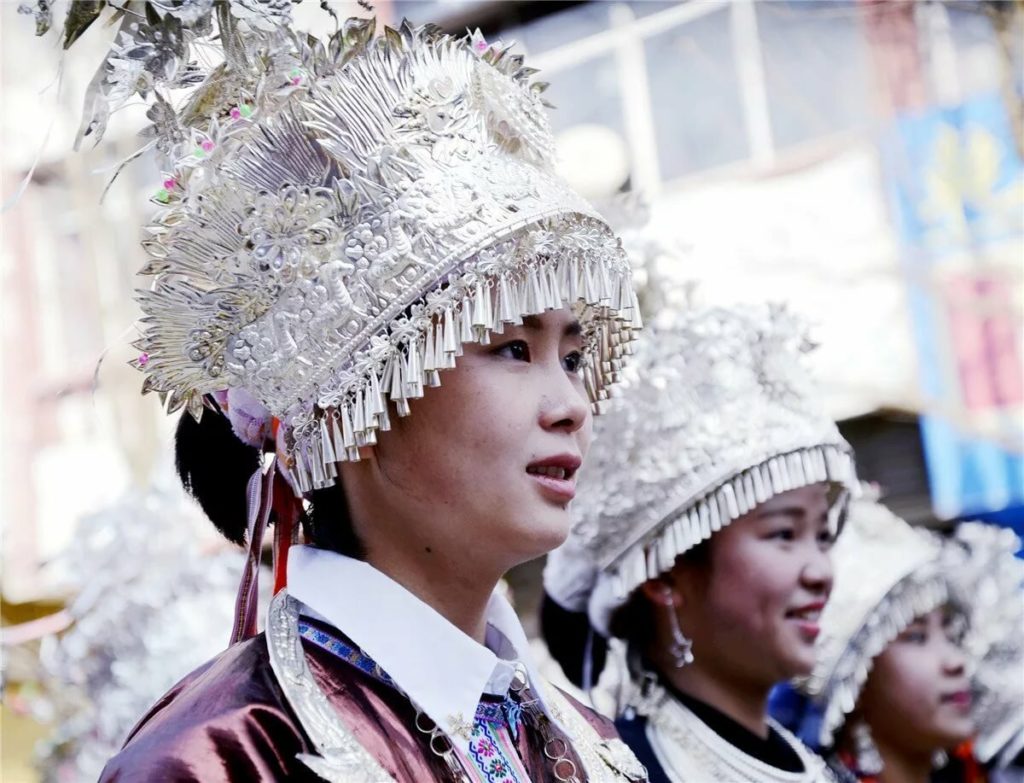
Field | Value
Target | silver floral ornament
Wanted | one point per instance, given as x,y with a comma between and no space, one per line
287,230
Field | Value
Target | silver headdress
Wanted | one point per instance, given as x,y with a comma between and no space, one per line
337,218
719,415
987,580
887,573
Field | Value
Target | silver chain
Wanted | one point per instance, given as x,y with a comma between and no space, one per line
441,745
556,748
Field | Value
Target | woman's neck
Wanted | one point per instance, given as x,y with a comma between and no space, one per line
457,592
901,766
748,706
446,569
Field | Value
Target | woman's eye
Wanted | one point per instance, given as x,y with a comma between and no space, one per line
573,362
914,637
826,539
782,534
516,350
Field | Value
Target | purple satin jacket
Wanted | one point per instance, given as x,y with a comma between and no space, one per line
230,721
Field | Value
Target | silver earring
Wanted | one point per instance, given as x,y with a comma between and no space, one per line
682,648
939,759
869,760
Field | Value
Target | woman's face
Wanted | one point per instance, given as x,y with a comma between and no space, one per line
483,469
752,609
917,695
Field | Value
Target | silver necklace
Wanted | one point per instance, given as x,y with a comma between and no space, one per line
690,750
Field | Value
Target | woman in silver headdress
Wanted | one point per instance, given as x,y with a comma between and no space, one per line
891,676
909,620
987,574
342,226
715,491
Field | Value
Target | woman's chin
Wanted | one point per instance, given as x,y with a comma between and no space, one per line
957,732
798,663
542,534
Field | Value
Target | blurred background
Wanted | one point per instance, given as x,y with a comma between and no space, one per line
860,160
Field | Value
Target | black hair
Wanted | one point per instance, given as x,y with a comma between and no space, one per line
215,466
568,634
327,522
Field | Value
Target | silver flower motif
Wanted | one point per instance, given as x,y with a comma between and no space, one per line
166,129
286,229
126,77
364,242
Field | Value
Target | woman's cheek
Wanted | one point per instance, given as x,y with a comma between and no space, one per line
903,671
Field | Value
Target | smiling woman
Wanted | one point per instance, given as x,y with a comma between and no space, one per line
891,674
702,542
369,291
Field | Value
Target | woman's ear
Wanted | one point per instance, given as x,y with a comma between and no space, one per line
661,592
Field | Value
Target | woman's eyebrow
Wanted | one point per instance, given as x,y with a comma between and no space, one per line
534,324
786,511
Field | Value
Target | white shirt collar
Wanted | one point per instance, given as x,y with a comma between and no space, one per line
443,671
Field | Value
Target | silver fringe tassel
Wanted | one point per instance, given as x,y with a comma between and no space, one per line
681,531
337,433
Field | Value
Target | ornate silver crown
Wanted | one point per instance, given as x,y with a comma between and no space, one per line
337,218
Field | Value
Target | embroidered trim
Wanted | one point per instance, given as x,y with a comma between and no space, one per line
506,713
492,757
340,758
346,652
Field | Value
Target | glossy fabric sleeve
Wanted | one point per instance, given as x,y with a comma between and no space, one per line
224,723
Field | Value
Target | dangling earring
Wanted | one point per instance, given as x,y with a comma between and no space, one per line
682,648
939,759
869,760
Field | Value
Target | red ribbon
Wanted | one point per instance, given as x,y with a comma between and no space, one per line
287,509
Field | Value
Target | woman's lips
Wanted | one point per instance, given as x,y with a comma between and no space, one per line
808,629
561,489
807,619
959,699
556,476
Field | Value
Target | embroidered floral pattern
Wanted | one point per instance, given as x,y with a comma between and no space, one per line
493,755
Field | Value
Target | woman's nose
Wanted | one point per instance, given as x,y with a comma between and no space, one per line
954,661
563,404
817,572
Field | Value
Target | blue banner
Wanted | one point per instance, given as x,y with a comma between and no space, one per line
956,182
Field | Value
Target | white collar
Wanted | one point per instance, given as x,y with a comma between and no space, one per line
443,671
